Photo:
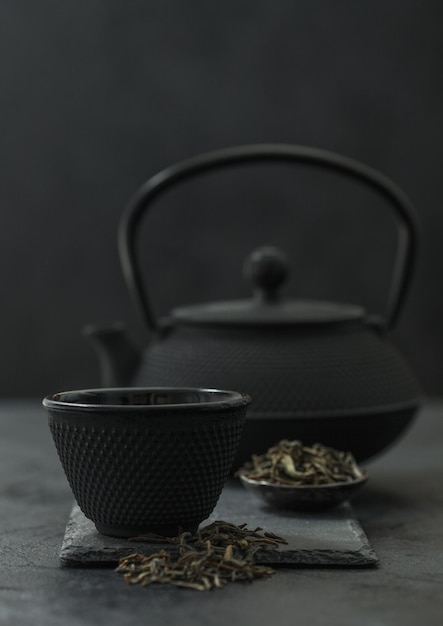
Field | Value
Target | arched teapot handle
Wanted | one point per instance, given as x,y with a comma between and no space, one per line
404,211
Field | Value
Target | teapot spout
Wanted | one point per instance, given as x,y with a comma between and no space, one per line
118,357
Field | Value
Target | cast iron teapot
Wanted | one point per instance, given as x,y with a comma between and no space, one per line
316,371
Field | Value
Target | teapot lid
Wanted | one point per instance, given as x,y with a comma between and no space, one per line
267,268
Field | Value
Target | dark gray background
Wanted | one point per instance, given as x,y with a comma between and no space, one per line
96,96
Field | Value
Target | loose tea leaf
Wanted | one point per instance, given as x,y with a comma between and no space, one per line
211,558
292,463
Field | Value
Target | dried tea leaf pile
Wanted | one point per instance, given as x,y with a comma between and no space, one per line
292,463
216,555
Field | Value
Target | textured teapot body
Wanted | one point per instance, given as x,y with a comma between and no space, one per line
301,380
297,371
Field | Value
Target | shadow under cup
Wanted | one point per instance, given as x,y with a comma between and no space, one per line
146,460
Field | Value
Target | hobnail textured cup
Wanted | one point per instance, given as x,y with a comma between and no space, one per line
146,460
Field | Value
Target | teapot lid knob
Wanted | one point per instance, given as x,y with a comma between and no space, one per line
267,268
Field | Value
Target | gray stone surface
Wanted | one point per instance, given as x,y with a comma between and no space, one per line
328,538
400,510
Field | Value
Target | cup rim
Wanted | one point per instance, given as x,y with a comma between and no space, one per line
65,400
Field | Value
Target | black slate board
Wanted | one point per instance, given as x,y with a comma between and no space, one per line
333,538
